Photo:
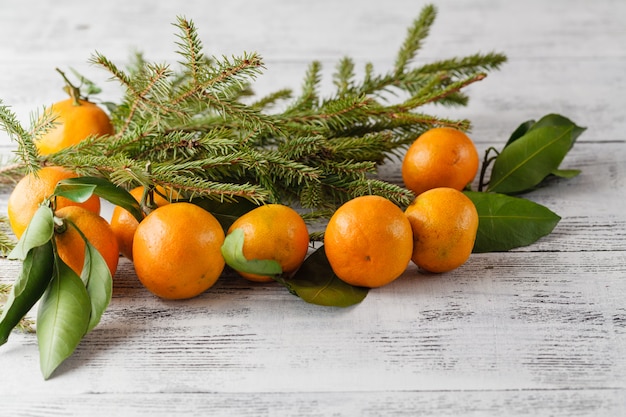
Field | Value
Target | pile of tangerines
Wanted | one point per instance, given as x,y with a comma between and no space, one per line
177,249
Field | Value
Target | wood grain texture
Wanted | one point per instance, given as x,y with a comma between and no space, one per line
538,331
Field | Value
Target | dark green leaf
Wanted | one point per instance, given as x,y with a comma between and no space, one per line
62,318
547,120
82,188
558,120
316,283
37,233
507,222
28,288
521,130
232,250
97,277
527,161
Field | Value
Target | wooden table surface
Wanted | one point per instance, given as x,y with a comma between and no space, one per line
537,331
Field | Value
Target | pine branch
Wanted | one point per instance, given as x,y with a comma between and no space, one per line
189,129
416,34
7,243
271,99
26,150
344,76
190,47
309,97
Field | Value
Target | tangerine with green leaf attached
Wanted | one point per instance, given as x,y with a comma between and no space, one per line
70,245
440,157
33,189
273,232
368,241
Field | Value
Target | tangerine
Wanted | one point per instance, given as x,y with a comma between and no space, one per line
444,223
33,189
440,157
276,232
368,241
176,251
75,120
124,224
71,246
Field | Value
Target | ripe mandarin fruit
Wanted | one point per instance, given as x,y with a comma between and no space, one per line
33,189
444,223
440,157
368,241
276,232
124,224
71,246
74,121
176,251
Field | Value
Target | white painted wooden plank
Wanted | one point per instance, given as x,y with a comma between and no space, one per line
539,403
503,322
293,30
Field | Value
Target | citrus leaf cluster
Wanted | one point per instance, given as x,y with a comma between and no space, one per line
70,306
529,159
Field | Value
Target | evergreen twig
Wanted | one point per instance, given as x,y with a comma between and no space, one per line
189,130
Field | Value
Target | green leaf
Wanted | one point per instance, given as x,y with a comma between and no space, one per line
36,273
558,120
506,222
521,130
40,230
78,193
316,283
530,159
62,318
566,173
97,277
80,189
232,250
547,120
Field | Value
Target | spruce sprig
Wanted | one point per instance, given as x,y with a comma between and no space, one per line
26,150
7,243
192,128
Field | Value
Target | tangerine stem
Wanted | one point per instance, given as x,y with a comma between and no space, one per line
486,162
70,88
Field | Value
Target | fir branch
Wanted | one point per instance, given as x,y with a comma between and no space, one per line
26,150
416,34
190,47
271,99
7,242
11,173
188,129
436,95
298,148
332,115
462,67
344,76
309,97
194,187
